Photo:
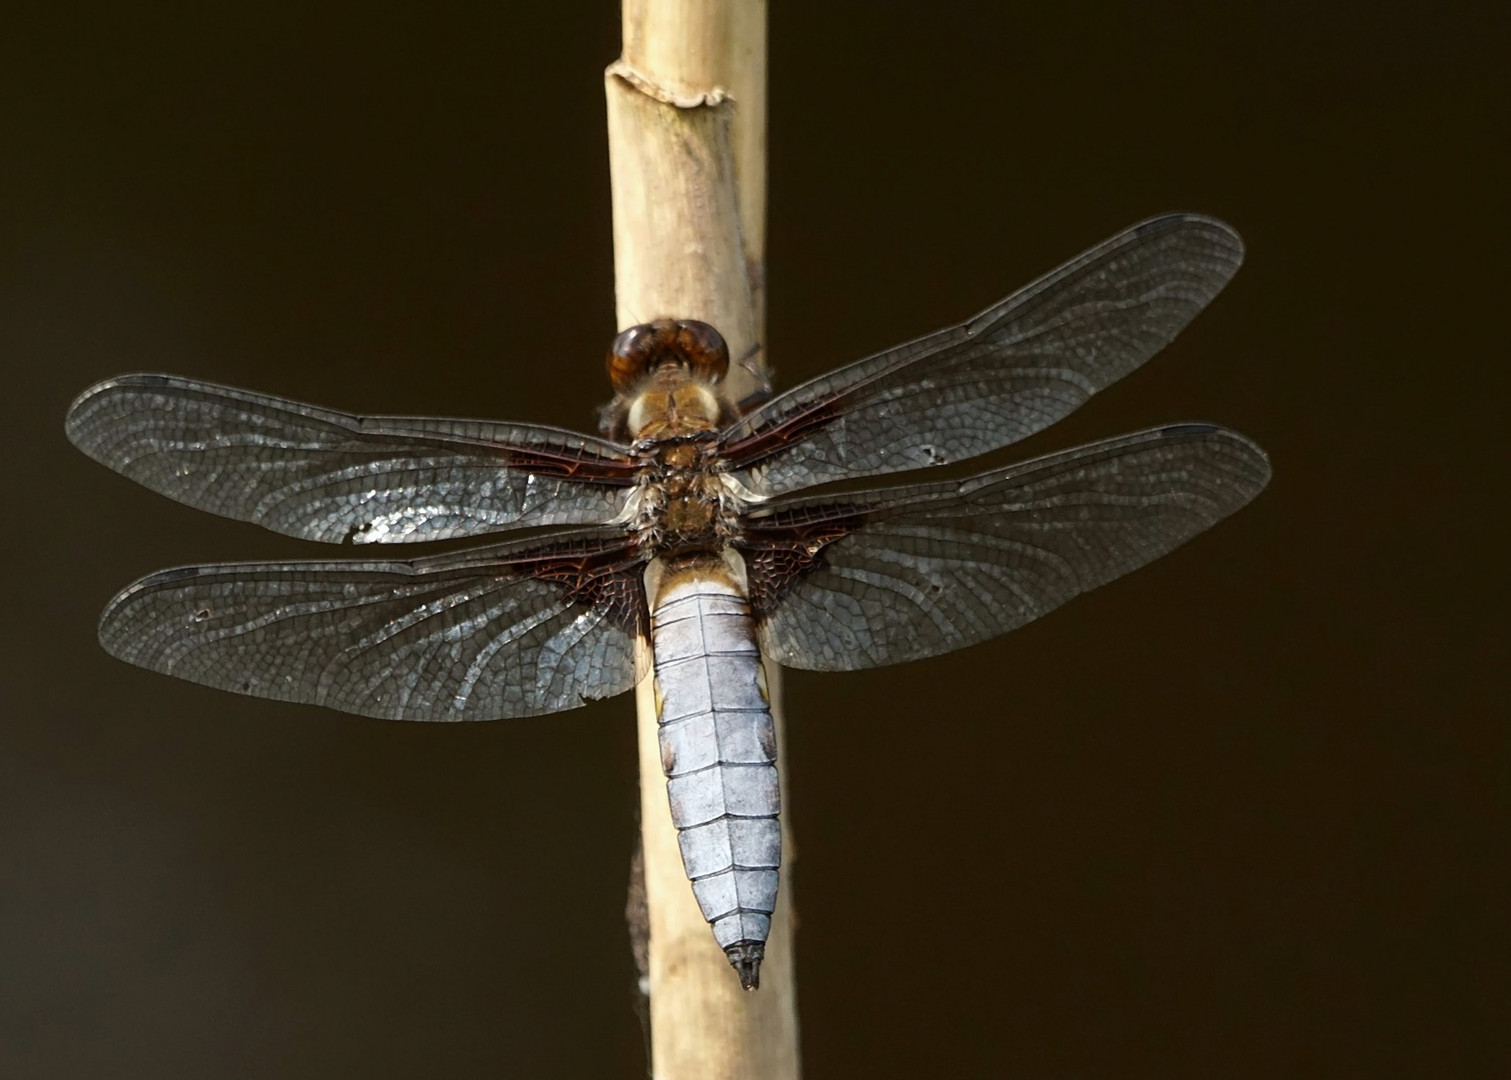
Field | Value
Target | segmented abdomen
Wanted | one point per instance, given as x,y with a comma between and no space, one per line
718,747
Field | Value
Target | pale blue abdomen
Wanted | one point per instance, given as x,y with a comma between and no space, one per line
718,747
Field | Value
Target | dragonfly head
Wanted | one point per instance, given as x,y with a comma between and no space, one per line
640,351
666,376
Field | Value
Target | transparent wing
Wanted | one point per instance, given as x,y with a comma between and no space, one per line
880,577
322,475
506,630
1016,368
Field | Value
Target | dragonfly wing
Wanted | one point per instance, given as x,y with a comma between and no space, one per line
322,475
1013,370
508,630
881,577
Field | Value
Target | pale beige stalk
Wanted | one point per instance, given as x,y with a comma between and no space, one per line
687,138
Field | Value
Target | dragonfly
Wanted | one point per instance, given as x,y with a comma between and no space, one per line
683,543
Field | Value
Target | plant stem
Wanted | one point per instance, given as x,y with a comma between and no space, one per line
686,120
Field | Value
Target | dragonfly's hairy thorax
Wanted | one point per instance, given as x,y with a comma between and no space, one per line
683,502
673,404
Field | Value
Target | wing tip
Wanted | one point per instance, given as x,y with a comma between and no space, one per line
74,416
1217,230
1253,454
111,635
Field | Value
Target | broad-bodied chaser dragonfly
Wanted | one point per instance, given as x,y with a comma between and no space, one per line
690,527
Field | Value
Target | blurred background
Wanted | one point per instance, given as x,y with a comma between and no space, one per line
1232,816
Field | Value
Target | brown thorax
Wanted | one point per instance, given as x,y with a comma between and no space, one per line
683,503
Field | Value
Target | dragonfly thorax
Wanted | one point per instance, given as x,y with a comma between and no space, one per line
684,502
672,403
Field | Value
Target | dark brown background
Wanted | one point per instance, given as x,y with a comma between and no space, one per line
1230,817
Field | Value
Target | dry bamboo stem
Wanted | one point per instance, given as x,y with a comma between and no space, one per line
686,118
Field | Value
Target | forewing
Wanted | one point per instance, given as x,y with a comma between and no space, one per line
881,577
322,475
507,630
1016,368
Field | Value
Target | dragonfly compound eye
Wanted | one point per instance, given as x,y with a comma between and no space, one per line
640,350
